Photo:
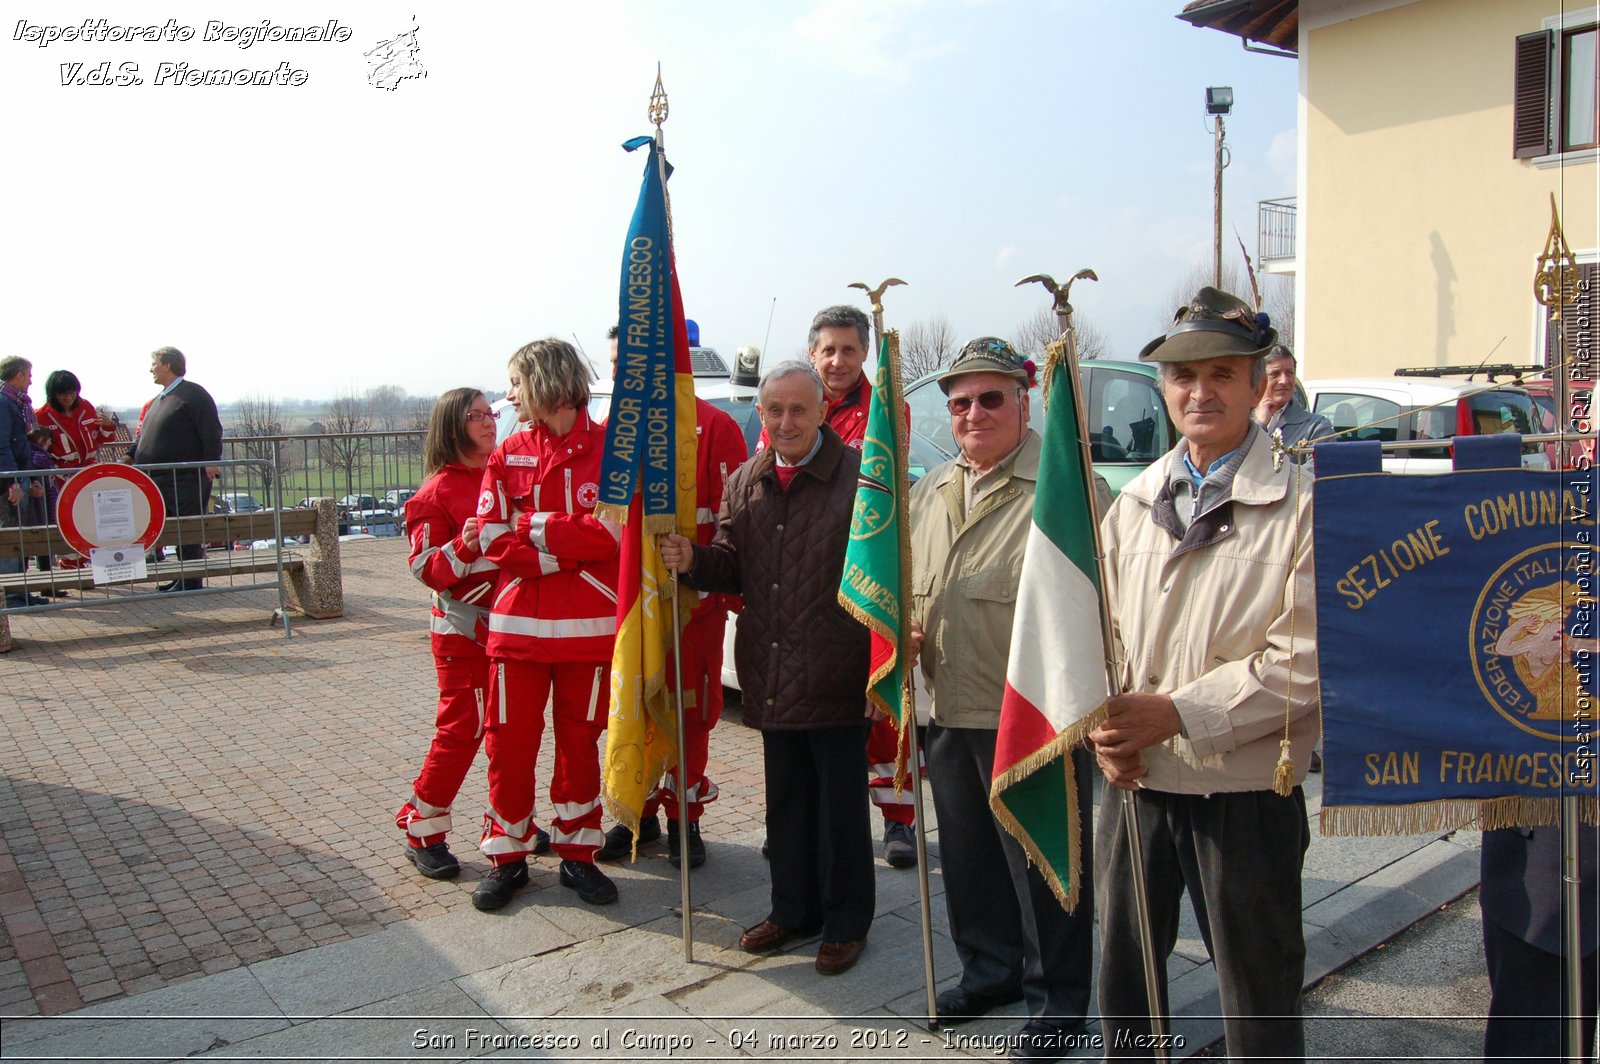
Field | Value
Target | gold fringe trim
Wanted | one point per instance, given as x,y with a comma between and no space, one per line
1423,818
660,524
1058,749
610,511
1283,775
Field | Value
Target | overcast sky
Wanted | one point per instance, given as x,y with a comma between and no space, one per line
303,240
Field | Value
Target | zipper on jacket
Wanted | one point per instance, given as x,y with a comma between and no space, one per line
506,591
478,697
568,473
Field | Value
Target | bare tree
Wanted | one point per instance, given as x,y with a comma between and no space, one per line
257,417
347,419
925,346
1041,329
386,406
418,411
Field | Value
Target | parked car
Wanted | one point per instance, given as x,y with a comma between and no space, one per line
237,502
1416,408
396,500
353,503
1127,416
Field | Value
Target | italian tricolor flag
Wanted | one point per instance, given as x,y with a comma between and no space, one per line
1056,675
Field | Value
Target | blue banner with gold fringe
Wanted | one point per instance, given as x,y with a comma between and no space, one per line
1456,640
641,428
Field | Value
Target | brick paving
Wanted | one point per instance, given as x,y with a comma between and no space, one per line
184,791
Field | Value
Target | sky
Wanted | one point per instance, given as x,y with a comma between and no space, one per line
305,240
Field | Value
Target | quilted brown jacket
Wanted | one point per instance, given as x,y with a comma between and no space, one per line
802,659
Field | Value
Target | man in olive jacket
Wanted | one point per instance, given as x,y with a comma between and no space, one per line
969,525
802,661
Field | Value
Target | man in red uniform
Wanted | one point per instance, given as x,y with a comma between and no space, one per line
839,340
551,626
719,449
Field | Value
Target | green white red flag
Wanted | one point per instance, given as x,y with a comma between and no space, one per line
1056,675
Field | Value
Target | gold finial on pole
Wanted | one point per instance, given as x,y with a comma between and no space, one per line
876,296
657,111
1555,278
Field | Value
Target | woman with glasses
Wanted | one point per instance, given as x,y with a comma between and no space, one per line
552,625
447,557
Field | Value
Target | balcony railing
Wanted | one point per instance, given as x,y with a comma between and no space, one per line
1275,246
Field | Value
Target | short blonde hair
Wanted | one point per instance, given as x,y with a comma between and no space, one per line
551,375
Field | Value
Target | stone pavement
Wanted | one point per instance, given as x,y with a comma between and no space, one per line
198,858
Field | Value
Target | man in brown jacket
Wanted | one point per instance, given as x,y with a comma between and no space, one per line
802,661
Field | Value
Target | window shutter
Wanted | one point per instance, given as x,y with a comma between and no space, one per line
1530,107
1582,321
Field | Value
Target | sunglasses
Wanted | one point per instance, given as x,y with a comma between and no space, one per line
988,400
476,416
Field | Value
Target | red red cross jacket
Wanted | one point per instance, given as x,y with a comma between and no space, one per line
461,579
75,435
721,450
557,597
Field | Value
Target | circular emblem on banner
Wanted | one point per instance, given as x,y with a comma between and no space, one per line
110,505
875,506
1532,616
588,495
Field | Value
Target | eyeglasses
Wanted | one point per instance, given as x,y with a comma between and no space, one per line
476,416
988,400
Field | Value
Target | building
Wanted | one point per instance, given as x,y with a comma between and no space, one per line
1432,135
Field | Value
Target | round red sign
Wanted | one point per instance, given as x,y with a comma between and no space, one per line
110,505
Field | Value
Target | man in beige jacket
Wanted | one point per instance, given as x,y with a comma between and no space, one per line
1209,577
969,525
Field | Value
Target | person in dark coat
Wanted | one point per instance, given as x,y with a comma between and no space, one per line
180,425
1520,895
16,418
803,664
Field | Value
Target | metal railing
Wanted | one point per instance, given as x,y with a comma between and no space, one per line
228,548
369,474
1275,242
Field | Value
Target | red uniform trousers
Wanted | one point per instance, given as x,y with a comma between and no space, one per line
580,694
896,808
701,648
458,730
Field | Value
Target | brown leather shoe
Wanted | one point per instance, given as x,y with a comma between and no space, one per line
835,958
768,936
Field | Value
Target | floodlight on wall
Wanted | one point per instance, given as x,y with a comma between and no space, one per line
1219,100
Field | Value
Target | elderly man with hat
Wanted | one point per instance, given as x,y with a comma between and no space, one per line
1209,578
969,526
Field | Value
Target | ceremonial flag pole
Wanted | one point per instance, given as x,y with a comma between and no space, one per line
1050,704
874,589
647,484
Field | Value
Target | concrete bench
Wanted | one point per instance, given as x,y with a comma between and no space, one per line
312,581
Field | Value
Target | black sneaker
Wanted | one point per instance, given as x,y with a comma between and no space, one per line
541,841
899,844
496,887
697,848
592,885
619,840
435,862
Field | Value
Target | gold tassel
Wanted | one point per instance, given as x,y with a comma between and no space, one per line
1283,776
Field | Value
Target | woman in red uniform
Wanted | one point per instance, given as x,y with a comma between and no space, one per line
552,624
447,558
77,430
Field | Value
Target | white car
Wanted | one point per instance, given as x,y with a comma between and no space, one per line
1426,408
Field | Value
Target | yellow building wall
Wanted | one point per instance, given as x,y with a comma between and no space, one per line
1420,230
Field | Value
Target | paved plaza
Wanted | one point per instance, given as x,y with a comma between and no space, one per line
197,857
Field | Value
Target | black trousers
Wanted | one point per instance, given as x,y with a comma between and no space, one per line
1019,939
819,835
1527,999
1239,856
185,492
